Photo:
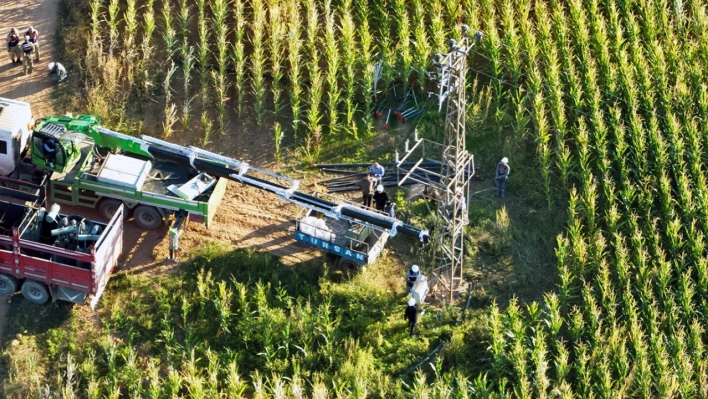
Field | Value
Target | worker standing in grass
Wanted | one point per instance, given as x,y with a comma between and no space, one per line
367,189
411,315
380,198
34,39
377,171
13,46
27,53
501,178
411,277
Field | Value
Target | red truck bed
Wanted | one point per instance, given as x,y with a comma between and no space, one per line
48,264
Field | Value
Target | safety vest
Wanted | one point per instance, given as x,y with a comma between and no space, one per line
27,47
34,36
13,40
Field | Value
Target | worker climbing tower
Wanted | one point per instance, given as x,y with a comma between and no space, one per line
448,190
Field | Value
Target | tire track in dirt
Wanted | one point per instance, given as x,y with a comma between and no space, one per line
36,87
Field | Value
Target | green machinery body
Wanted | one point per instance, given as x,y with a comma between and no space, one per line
71,183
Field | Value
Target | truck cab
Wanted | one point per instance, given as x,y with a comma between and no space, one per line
16,126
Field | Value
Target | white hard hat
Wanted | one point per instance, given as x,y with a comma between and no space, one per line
458,190
27,38
379,188
51,66
505,160
411,302
415,268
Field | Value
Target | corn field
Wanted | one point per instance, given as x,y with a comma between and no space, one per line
611,95
306,64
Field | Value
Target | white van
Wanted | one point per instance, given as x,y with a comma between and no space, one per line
16,125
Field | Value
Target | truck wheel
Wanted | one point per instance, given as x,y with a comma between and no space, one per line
109,207
147,217
8,285
35,292
348,266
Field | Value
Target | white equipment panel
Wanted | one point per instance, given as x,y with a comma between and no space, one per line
124,171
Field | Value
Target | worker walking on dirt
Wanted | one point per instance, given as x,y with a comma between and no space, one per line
411,315
377,171
411,277
34,39
57,72
367,189
13,46
27,53
501,178
380,198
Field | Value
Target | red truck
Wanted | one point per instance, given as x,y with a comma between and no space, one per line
51,256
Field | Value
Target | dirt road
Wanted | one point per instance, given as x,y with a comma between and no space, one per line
34,88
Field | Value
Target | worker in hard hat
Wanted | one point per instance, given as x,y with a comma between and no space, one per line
459,202
411,315
27,53
13,46
380,198
57,72
34,39
411,277
501,178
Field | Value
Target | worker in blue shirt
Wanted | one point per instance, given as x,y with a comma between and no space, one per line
377,171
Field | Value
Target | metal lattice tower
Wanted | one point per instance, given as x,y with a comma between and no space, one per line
455,165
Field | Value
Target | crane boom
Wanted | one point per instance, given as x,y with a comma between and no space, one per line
232,169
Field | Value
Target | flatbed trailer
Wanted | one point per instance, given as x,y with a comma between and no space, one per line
53,256
350,245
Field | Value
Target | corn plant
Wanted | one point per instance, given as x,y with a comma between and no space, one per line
220,11
169,35
170,107
295,70
277,139
331,46
276,38
367,66
187,53
348,43
258,60
113,19
203,58
146,48
238,53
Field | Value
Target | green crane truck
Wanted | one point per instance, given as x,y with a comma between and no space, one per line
84,164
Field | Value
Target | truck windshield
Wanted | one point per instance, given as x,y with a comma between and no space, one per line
71,142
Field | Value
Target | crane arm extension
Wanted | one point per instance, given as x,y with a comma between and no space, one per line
309,201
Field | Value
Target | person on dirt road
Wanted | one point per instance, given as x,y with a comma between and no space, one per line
57,72
501,178
411,315
411,277
367,189
27,53
380,198
377,171
34,39
13,46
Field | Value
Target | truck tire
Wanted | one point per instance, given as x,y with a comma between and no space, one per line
109,207
35,292
348,267
8,285
147,217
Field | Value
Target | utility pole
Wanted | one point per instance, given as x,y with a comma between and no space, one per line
449,188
